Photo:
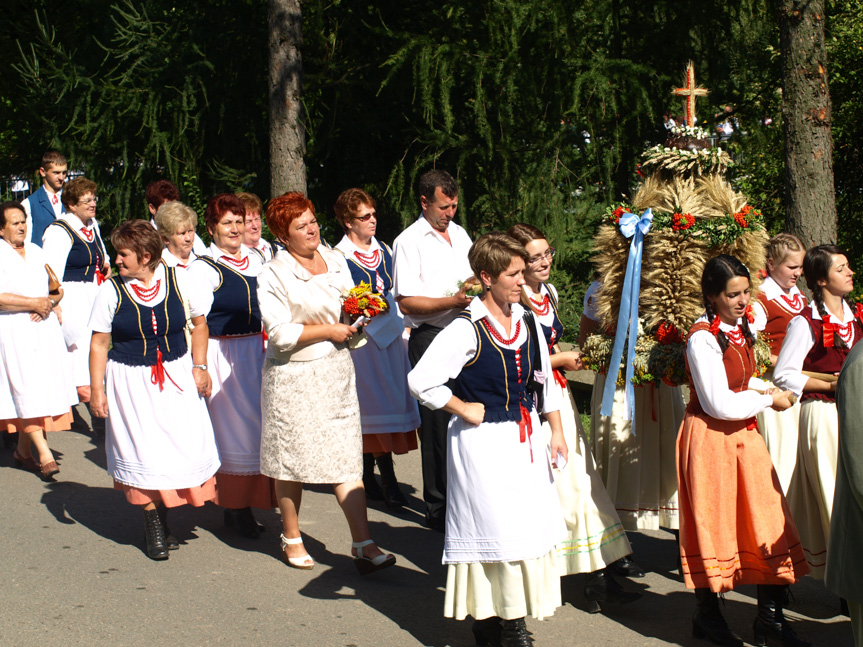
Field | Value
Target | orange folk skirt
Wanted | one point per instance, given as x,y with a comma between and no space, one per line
196,496
398,443
62,422
735,525
237,491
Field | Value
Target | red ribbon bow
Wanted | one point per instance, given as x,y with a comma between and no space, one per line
100,277
525,428
829,332
560,378
858,312
714,325
750,316
158,373
753,424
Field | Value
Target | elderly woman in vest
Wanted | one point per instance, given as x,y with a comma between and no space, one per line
235,358
35,392
73,247
504,517
151,385
390,416
175,223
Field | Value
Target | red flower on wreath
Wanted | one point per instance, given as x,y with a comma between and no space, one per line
616,214
746,215
667,333
682,221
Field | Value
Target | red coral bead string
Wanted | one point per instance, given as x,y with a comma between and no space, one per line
542,306
242,264
147,294
497,335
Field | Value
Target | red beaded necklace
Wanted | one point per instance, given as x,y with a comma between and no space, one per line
796,304
735,336
147,294
371,261
494,333
88,234
242,264
542,306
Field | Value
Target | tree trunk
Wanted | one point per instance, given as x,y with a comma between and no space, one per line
287,117
810,198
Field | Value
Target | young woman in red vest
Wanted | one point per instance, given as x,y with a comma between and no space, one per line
735,525
816,345
779,301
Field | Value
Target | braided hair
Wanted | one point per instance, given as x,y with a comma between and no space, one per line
816,267
717,272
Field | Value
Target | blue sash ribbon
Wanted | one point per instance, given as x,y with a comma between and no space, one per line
635,227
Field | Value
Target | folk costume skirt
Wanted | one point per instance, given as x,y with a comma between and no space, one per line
639,470
779,429
810,495
735,525
595,535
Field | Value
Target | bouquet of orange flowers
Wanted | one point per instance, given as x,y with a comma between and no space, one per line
361,304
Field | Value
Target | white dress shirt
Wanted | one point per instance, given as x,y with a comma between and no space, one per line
426,265
799,340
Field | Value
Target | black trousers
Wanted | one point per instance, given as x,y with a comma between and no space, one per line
433,444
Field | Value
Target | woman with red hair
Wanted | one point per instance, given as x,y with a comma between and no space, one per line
235,357
311,430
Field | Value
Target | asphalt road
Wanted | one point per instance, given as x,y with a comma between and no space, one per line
74,572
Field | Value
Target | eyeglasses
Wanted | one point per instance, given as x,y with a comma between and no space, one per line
367,217
549,254
253,220
89,201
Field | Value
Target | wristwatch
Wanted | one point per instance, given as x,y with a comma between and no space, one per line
200,367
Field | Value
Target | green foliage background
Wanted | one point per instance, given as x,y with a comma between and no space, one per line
540,109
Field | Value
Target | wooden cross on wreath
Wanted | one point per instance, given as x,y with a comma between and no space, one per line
689,94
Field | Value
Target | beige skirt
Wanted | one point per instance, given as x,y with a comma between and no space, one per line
639,470
810,494
509,590
311,420
779,429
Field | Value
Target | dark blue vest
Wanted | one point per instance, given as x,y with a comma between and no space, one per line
41,212
493,378
133,341
556,325
84,257
360,273
235,308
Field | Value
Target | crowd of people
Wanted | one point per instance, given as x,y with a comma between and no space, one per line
232,374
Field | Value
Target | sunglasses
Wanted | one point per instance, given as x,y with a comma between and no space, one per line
366,217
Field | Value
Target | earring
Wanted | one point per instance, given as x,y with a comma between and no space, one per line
488,288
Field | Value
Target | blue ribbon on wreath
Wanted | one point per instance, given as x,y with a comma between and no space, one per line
635,227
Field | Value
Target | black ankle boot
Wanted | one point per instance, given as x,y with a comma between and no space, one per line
625,567
515,634
708,621
370,483
244,521
487,631
155,535
770,623
600,586
393,496
170,541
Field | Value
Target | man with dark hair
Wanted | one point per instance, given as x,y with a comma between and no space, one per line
158,193
429,263
44,205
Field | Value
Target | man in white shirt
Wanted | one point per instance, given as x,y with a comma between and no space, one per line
429,262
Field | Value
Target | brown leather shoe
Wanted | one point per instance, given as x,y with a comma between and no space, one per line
48,470
28,463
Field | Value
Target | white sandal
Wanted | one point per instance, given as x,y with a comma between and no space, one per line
367,565
303,562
